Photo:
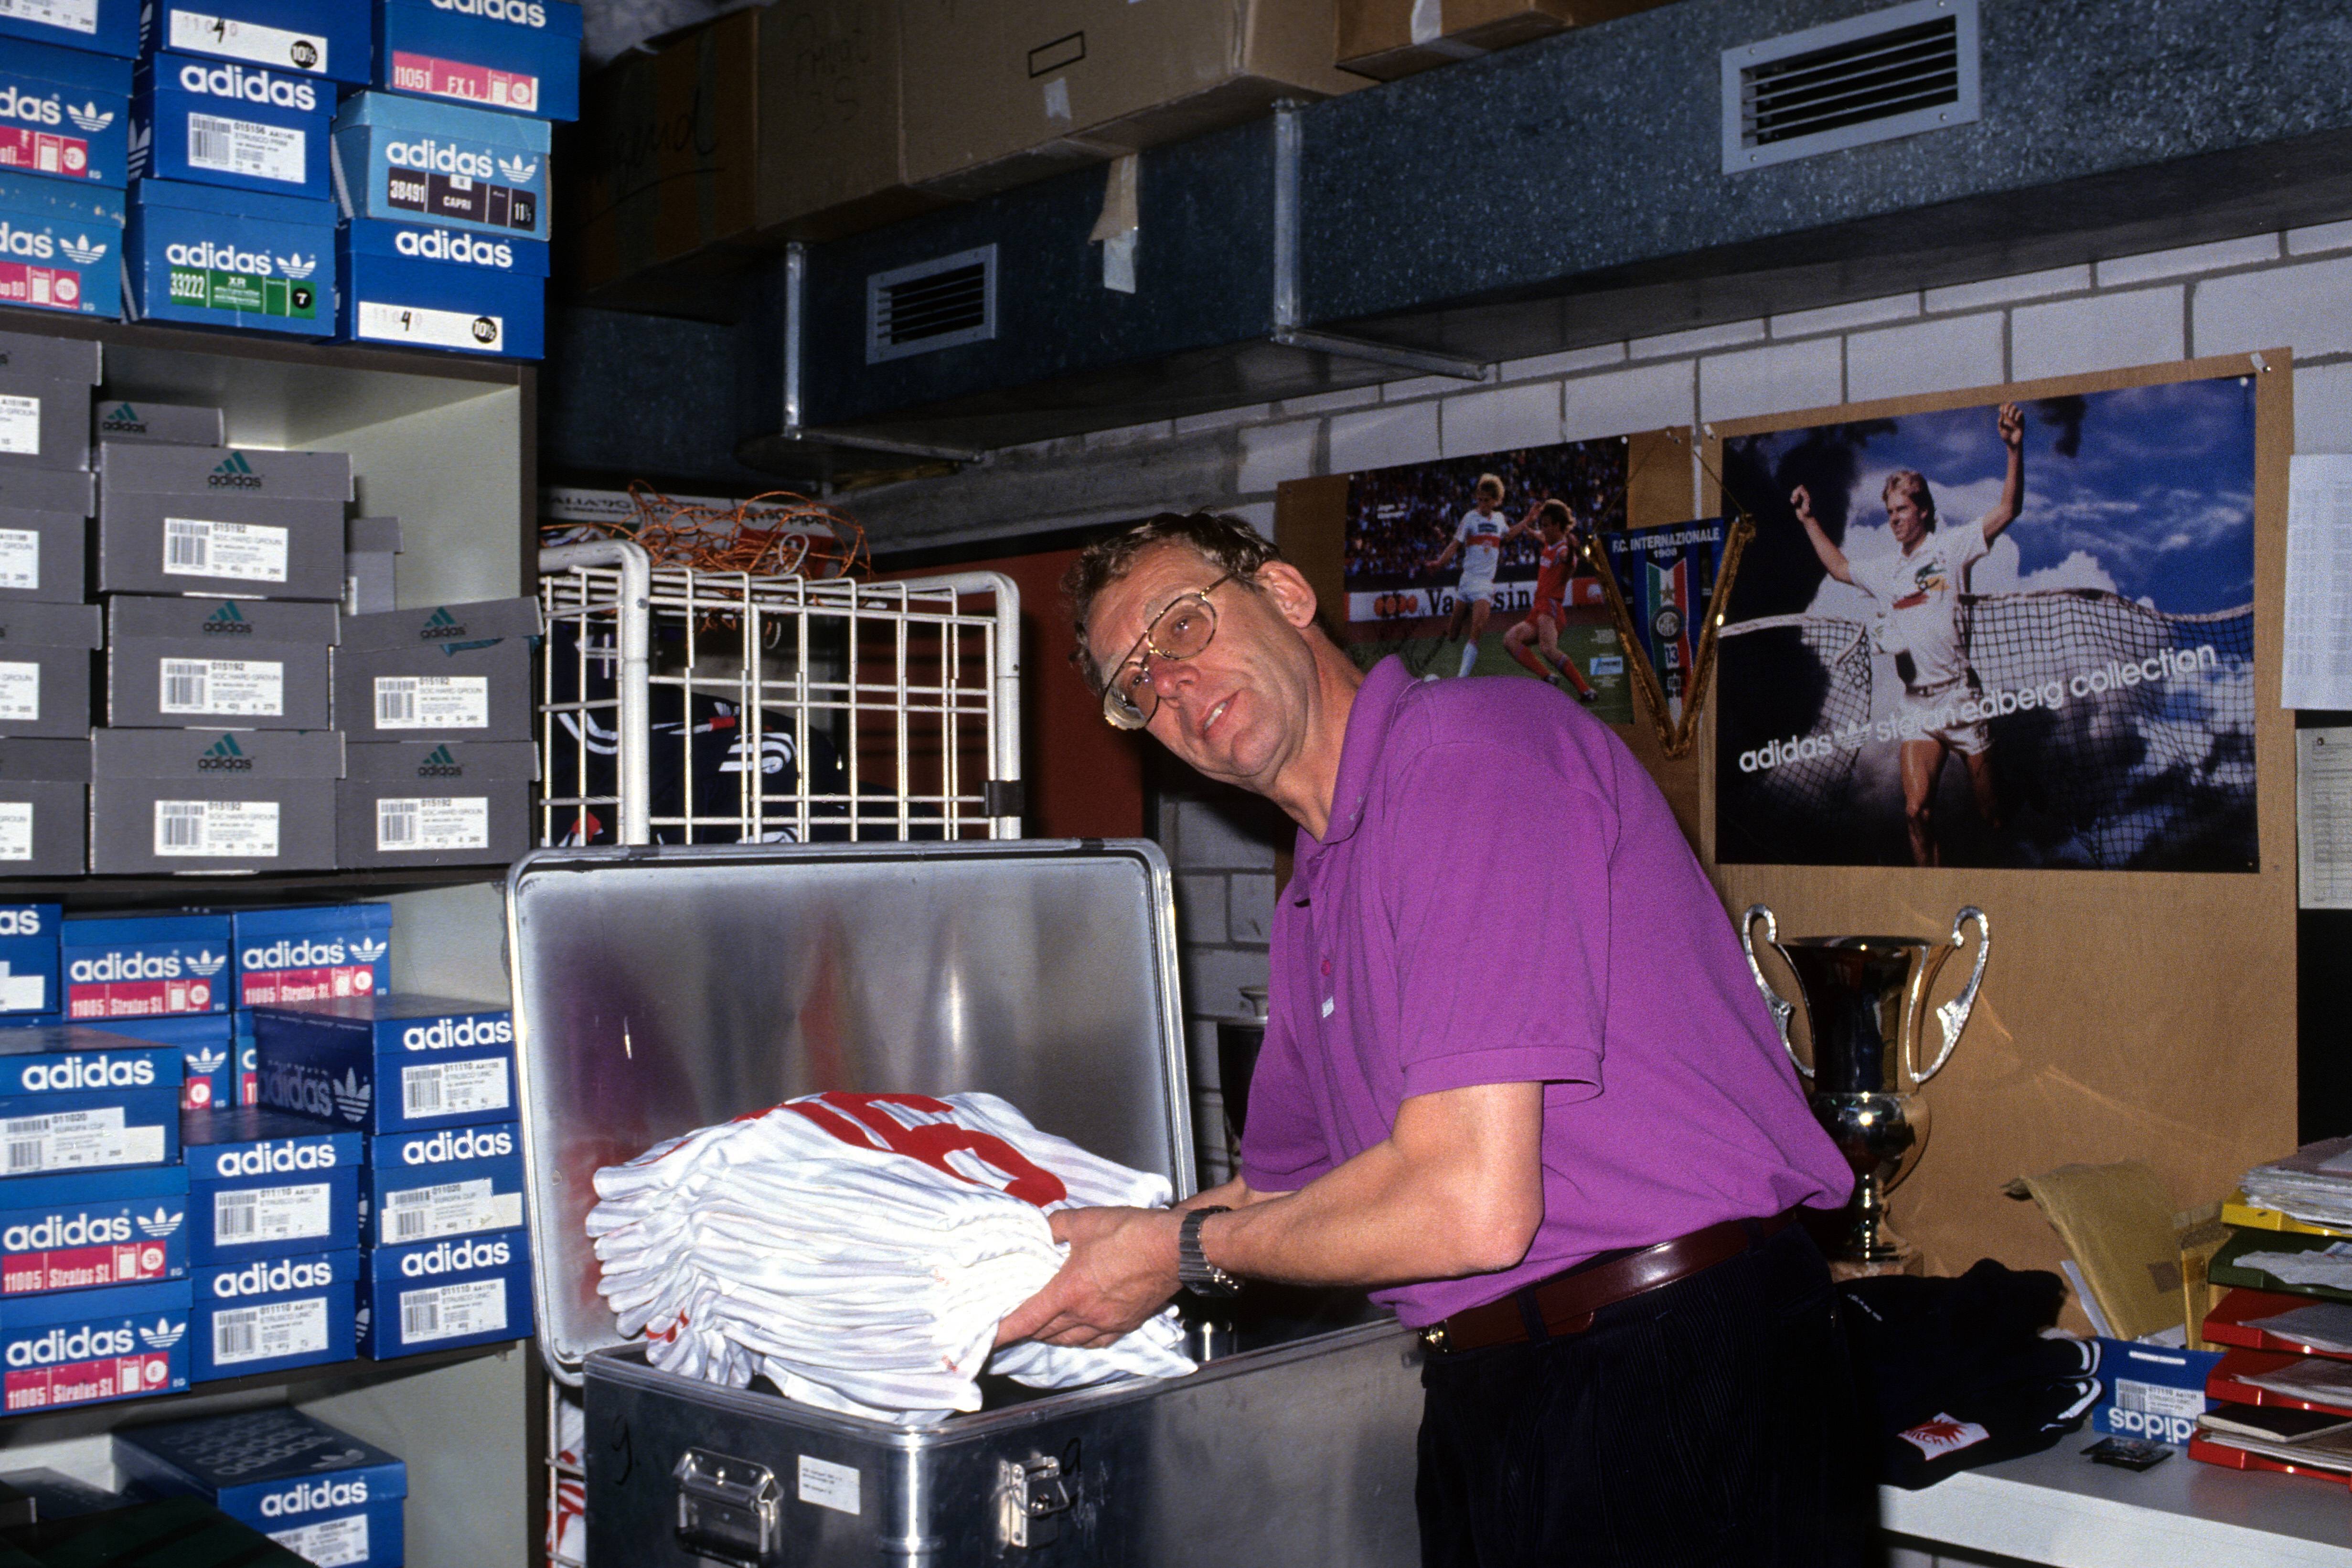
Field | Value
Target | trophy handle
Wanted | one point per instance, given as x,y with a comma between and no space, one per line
1781,1008
1954,1015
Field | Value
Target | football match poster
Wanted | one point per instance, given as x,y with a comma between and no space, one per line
2007,635
1468,565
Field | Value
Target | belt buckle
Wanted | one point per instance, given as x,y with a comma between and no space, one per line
1434,1338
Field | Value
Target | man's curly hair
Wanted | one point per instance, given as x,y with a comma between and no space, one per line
1224,542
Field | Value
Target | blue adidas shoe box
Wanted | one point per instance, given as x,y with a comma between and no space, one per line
313,953
60,245
520,56
81,1347
329,38
406,161
395,288
212,257
440,1295
389,1064
88,1228
144,966
323,1494
103,26
209,1043
65,112
273,1313
217,122
459,1181
28,961
82,1100
265,1184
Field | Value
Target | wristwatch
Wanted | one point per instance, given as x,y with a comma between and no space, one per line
1192,1266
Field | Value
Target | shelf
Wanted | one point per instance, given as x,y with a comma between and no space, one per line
304,1382
217,890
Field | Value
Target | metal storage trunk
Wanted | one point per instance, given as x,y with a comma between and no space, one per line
659,989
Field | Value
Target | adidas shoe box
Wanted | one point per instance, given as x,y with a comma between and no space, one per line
321,1493
83,1100
436,289
158,424
41,557
88,1229
44,386
424,1186
144,966
65,113
218,122
407,160
248,1062
208,1045
45,660
306,37
2154,1392
44,811
388,1064
103,26
520,56
312,954
178,662
440,1295
451,672
60,249
212,257
29,950
273,1313
245,522
265,1184
213,800
446,803
79,1348
370,549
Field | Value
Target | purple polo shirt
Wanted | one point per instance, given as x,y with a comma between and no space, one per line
1502,896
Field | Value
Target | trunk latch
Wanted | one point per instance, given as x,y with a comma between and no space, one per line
728,1510
1029,1495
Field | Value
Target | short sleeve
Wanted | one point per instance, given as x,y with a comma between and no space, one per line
1462,529
1971,547
1502,923
1282,1146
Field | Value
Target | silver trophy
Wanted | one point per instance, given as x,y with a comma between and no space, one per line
1866,1003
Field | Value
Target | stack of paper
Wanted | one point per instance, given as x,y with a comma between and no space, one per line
2314,1183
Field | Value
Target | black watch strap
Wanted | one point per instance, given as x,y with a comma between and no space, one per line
1193,1266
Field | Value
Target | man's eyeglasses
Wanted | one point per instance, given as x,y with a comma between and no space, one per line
1178,632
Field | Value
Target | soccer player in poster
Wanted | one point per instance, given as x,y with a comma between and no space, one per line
1555,527
1479,539
1919,586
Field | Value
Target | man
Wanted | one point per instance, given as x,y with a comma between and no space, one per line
1570,1157
1919,586
1478,538
1555,527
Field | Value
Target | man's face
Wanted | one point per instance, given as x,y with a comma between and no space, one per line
1238,710
1487,501
1903,516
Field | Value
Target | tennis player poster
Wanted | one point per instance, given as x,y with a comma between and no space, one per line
2000,635
1467,566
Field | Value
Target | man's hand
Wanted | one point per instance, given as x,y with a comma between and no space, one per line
1121,1270
1802,500
2012,423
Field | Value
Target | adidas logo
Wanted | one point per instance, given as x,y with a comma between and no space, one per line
163,1335
223,757
161,1223
439,764
229,619
441,623
123,418
296,266
203,1061
202,963
519,169
233,474
368,950
352,1097
80,251
89,117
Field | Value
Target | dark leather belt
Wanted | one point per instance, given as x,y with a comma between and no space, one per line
1564,1304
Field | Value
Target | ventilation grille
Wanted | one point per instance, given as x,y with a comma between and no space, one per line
1892,73
931,305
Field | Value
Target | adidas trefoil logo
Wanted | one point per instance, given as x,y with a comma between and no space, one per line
519,169
163,1335
203,1061
354,1097
296,266
161,1223
202,964
89,117
368,950
80,251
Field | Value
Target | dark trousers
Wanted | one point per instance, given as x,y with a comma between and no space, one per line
1709,1421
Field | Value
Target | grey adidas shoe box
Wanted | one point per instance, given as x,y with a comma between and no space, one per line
370,548
255,471
213,800
435,802
41,557
43,808
180,664
229,544
160,423
70,492
45,401
447,671
45,666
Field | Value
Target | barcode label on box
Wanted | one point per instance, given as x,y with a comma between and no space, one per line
244,828
448,1311
76,1140
269,1331
2158,1399
244,41
20,691
20,425
432,702
272,1213
20,559
257,152
433,822
452,1208
16,836
436,329
74,15
242,688
198,547
330,1543
453,1087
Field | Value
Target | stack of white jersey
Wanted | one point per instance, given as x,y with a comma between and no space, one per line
859,1251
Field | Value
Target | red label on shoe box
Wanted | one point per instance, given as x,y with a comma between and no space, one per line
467,83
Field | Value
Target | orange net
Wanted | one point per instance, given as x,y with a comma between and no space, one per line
780,533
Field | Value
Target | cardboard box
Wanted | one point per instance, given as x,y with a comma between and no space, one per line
65,246
44,810
39,424
82,1347
425,803
459,1181
213,800
265,1184
44,444
65,113
41,557
146,966
413,161
106,26
999,95
370,553
2152,1391
439,1295
520,56
493,301
393,1064
213,256
832,155
227,543
305,37
289,1475
88,1228
264,472
44,659
178,664
217,122
207,1043
313,953
444,671
160,423
29,948
83,1100
275,1313
1386,39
